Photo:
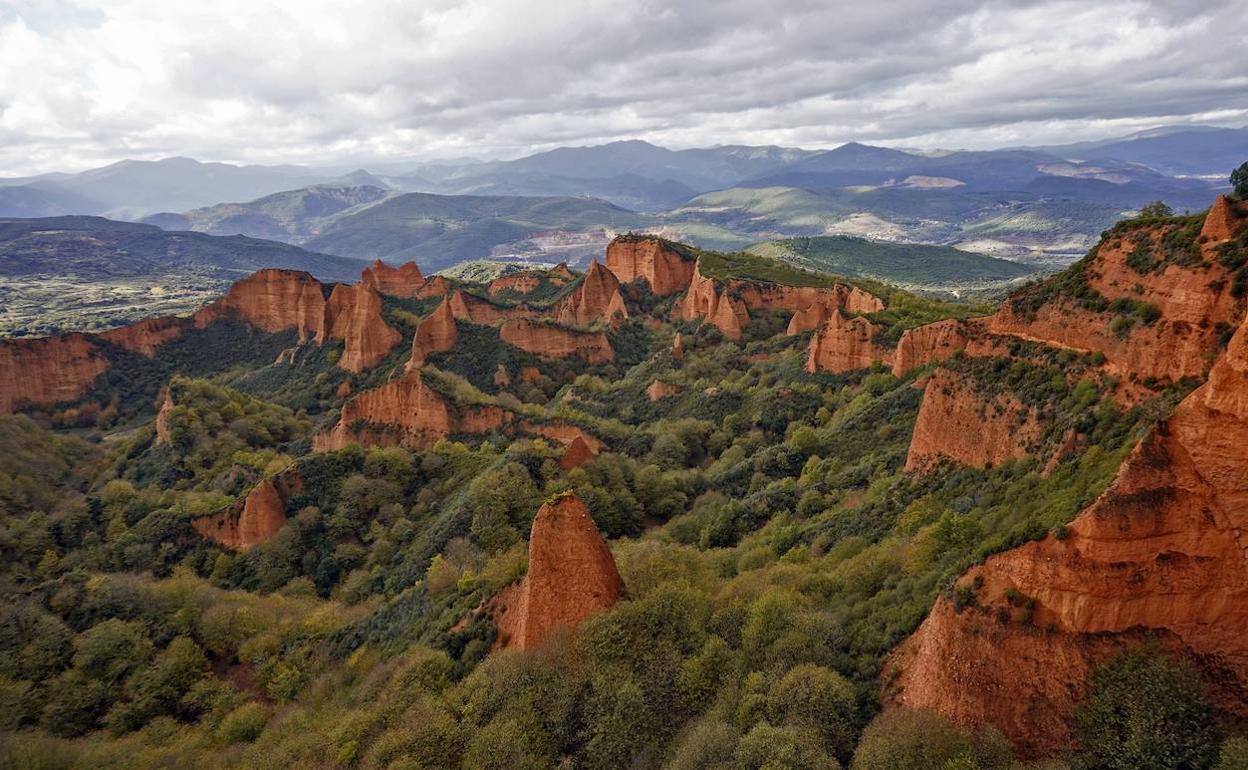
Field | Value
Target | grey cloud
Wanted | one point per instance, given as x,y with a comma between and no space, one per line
388,80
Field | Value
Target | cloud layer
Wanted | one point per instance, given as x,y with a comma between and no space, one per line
85,82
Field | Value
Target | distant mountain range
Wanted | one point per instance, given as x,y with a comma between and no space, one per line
1038,204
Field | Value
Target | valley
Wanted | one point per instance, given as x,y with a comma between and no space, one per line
683,507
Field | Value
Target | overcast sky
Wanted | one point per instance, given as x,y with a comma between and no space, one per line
309,81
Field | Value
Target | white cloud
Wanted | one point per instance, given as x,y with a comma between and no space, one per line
83,82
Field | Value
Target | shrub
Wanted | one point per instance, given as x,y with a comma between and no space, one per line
244,724
1146,710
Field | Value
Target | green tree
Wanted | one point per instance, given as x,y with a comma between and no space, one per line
1146,711
1239,181
1156,210
817,698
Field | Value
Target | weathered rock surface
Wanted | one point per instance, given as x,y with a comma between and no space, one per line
664,268
845,344
145,337
353,314
678,348
550,341
49,370
933,343
164,434
406,412
254,519
660,390
597,298
474,309
577,454
273,300
571,576
565,433
403,281
956,422
705,300
1161,551
435,334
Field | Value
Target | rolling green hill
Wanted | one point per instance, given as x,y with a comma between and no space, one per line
939,268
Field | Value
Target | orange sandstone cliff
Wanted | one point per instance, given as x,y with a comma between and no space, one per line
48,370
577,454
597,298
435,334
551,341
845,344
273,300
1161,551
254,519
406,412
704,299
665,269
353,314
403,281
571,576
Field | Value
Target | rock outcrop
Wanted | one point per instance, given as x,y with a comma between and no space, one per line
565,433
678,348
659,390
403,281
49,370
525,282
551,341
435,334
958,423
577,454
1160,552
254,519
844,345
934,343
1221,223
164,433
571,576
435,286
406,412
353,314
145,337
705,300
597,298
273,300
665,269
474,309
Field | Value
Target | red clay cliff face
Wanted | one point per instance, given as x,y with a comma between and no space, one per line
435,334
664,269
353,314
1160,551
844,345
403,281
597,298
550,341
577,454
50,370
473,309
406,412
146,336
705,300
273,301
955,422
256,518
571,576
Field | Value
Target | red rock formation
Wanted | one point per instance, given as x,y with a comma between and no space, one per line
660,390
272,301
526,282
958,423
845,344
571,576
577,454
678,348
550,341
50,370
406,412
936,342
435,286
530,374
163,433
1160,551
146,336
471,308
501,376
402,281
759,296
705,300
435,334
1221,223
256,518
809,319
598,298
565,433
665,269
353,314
